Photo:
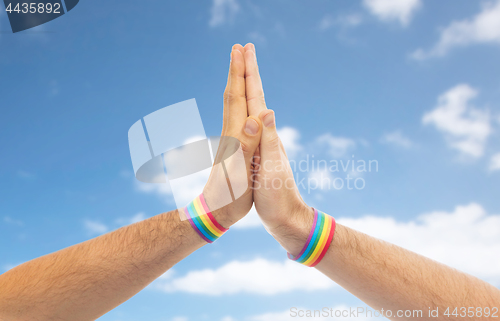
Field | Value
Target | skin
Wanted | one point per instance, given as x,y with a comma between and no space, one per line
84,281
381,274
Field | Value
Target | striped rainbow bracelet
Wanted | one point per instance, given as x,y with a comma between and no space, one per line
202,220
318,242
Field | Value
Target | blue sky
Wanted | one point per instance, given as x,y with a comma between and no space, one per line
411,84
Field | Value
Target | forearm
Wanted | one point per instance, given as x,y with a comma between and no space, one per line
386,276
84,281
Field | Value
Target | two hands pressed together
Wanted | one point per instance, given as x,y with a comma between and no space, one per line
270,181
86,280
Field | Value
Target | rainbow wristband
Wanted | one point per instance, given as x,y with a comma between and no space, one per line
318,242
202,220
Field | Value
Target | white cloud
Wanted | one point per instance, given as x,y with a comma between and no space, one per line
122,221
326,23
180,319
339,312
54,88
483,28
7,267
159,189
223,11
187,188
465,127
25,174
125,173
465,238
396,138
348,20
321,179
278,316
182,189
290,136
95,227
251,220
12,221
279,29
495,162
338,147
257,37
390,10
258,276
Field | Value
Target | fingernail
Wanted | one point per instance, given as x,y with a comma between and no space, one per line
268,120
251,127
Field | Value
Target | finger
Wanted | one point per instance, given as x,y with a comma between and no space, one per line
238,166
254,92
240,48
270,143
235,108
250,138
256,160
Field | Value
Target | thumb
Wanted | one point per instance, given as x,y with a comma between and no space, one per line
250,138
270,141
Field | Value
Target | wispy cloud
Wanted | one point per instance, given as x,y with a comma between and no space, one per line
7,267
131,220
333,146
289,137
13,221
322,178
54,88
94,227
223,11
466,128
337,147
396,138
460,238
257,37
336,313
495,162
463,238
154,188
345,21
25,174
258,276
401,11
483,28
251,220
350,20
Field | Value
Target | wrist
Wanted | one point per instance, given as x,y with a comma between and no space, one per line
222,216
292,234
233,212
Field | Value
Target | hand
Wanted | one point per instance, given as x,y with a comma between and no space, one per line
277,199
237,171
